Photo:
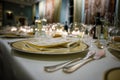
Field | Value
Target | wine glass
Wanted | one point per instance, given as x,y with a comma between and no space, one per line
88,39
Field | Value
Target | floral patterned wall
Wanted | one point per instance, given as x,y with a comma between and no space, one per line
105,7
52,11
77,10
84,10
49,10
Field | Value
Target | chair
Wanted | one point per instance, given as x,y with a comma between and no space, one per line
6,71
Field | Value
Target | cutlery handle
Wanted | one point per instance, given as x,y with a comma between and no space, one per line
59,66
72,68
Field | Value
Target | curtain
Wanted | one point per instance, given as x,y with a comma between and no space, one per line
33,11
57,10
42,9
49,13
77,10
105,7
53,10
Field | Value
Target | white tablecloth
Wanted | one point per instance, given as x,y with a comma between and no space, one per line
27,66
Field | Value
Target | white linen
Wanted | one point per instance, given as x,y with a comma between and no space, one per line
31,67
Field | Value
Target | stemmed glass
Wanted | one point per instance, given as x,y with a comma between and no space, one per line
88,35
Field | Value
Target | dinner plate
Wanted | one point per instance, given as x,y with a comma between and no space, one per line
49,46
14,36
115,46
112,74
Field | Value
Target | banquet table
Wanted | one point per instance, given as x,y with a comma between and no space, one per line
27,66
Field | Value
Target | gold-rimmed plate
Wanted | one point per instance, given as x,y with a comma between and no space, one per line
112,74
28,47
115,46
14,36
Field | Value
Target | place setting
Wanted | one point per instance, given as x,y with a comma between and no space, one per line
50,46
17,32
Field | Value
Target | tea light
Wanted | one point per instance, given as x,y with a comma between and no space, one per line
38,21
13,29
76,32
22,29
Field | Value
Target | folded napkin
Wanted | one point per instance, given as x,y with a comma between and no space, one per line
53,43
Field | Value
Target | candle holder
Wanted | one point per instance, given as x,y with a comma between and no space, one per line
38,32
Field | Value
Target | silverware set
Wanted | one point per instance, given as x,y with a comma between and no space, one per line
72,65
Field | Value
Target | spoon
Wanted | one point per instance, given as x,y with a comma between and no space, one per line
72,68
61,65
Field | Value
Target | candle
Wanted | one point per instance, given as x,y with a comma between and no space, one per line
76,32
13,29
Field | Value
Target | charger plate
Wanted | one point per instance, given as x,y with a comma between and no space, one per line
49,46
15,36
112,74
115,46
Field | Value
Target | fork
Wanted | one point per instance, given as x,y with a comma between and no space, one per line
72,68
61,65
